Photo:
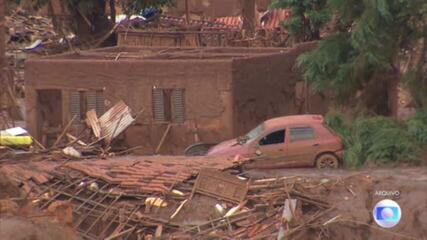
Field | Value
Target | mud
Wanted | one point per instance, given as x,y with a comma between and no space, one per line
8,189
20,221
20,228
355,219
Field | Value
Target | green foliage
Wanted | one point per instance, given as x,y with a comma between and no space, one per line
329,67
386,141
415,81
417,126
377,140
338,123
369,38
308,16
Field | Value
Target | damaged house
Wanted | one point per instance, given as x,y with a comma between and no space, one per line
187,95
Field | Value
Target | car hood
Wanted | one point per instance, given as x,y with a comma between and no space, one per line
229,147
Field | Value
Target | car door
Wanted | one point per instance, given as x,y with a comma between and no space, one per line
270,149
302,146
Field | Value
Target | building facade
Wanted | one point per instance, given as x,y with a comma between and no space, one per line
207,95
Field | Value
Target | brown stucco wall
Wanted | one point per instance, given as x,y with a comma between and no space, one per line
265,87
207,83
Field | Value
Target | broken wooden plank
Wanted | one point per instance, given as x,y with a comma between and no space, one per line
117,235
65,130
163,138
93,122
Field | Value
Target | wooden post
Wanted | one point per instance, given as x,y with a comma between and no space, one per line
53,16
187,12
2,36
2,65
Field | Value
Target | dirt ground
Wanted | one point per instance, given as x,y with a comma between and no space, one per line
354,207
22,228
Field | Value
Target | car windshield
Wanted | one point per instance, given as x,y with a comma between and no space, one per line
254,133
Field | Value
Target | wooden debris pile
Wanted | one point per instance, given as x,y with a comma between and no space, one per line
273,209
197,33
24,29
216,204
28,35
35,34
95,136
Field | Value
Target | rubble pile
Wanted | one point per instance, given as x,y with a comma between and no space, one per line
24,29
94,140
272,209
180,197
208,32
171,23
35,34
174,198
28,35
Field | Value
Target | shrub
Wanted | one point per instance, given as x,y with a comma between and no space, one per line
378,140
417,126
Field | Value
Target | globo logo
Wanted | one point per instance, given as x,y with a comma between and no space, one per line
387,213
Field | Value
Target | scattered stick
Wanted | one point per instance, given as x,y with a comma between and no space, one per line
85,18
309,221
101,40
39,144
70,46
178,209
128,150
350,190
139,113
117,235
64,131
118,56
75,140
163,138
331,220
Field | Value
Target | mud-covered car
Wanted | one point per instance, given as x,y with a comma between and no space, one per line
291,141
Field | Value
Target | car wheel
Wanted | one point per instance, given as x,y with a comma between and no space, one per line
327,160
198,149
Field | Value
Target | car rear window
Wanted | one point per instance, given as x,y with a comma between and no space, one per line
301,133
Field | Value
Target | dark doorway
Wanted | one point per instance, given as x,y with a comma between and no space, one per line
49,115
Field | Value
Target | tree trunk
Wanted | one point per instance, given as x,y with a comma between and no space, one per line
113,11
92,24
2,35
55,23
249,16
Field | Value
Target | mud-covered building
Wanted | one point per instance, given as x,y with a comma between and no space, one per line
207,94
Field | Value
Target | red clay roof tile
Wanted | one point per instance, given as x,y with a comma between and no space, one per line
154,173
